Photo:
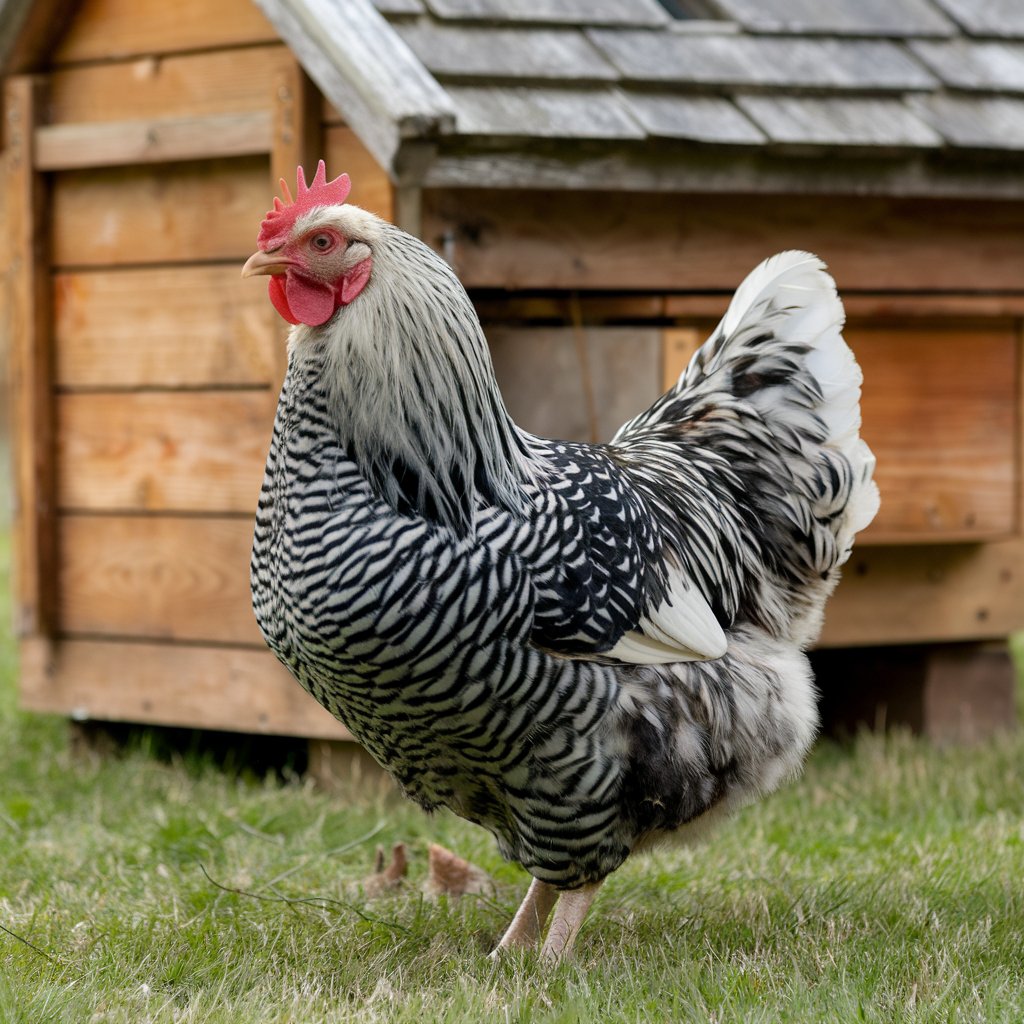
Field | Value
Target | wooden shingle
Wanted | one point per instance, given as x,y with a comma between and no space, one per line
514,111
988,66
975,122
710,119
728,59
833,121
841,17
485,52
558,12
1000,18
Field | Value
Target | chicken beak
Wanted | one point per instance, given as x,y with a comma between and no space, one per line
265,263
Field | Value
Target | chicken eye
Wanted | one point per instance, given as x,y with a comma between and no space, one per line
322,242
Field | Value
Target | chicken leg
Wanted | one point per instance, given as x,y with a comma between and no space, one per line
569,914
526,926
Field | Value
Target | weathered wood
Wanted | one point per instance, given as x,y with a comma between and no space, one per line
1004,18
534,54
235,689
975,66
892,18
507,310
639,13
940,408
729,59
839,121
157,577
553,240
542,112
164,327
711,119
928,594
363,69
297,137
104,29
185,85
70,146
678,345
31,362
181,452
371,187
974,122
541,376
967,309
182,213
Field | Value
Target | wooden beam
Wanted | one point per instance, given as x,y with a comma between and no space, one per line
30,366
928,594
62,147
520,240
235,689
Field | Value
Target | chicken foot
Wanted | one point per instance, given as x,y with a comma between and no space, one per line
570,911
526,926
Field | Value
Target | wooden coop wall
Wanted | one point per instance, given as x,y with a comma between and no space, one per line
557,276
140,164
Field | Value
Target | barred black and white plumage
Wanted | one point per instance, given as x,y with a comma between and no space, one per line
580,647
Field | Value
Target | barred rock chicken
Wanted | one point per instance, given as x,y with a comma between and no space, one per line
582,648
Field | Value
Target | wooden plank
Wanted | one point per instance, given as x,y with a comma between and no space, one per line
164,327
885,122
70,146
157,577
731,59
678,345
595,309
182,452
31,361
371,187
182,213
940,408
876,305
27,31
104,29
553,240
234,689
185,85
925,594
541,372
892,18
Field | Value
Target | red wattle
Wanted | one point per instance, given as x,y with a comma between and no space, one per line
275,287
309,302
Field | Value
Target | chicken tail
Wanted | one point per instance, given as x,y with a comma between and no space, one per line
769,410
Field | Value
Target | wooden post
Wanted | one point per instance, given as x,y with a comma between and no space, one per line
31,368
296,140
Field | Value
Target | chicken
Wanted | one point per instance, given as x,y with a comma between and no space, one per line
583,648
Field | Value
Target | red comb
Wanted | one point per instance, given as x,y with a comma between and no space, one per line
279,221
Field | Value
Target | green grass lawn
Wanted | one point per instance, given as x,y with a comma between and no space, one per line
887,885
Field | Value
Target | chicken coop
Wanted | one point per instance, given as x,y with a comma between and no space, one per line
602,175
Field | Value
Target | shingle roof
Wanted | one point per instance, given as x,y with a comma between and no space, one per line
913,96
872,80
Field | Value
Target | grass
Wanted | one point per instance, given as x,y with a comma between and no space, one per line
887,885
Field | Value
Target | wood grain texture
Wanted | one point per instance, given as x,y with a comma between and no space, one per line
185,85
117,143
105,29
371,187
926,594
181,452
182,213
678,345
541,375
164,327
549,240
892,18
940,408
157,577
31,366
235,689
